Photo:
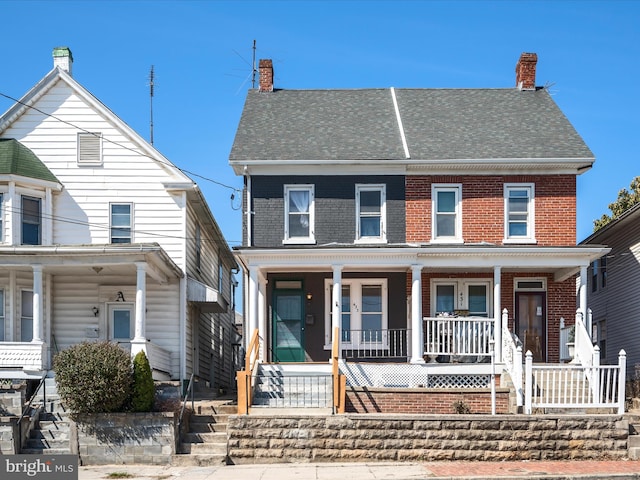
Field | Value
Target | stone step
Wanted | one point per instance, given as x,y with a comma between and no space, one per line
47,444
45,451
205,437
199,426
50,434
202,448
199,460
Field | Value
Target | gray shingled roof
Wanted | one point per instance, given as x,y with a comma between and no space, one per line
438,124
16,159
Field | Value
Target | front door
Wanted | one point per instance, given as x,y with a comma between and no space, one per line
288,326
121,322
531,323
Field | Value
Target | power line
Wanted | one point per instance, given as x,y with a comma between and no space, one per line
113,142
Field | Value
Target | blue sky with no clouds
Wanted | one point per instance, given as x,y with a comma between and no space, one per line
202,52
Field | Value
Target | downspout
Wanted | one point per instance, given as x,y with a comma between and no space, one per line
248,206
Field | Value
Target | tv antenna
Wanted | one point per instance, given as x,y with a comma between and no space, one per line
151,85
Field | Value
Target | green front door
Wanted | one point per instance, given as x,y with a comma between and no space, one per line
288,326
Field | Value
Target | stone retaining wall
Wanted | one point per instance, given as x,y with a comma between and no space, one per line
8,435
124,438
260,439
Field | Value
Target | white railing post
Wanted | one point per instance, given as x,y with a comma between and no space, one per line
517,373
528,382
622,378
589,323
595,376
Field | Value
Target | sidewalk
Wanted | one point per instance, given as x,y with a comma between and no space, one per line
547,470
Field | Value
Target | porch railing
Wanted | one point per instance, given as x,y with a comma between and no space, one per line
574,386
246,378
512,358
584,349
466,336
23,355
387,343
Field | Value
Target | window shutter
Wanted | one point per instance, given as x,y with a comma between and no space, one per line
89,148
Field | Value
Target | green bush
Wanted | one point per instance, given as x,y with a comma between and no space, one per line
143,387
93,377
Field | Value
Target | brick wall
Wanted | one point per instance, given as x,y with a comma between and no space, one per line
483,207
421,400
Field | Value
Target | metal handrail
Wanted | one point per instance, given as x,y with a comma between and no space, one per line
27,407
184,401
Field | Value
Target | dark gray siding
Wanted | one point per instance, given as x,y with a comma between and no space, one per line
314,283
335,212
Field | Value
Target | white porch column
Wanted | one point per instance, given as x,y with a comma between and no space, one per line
141,286
583,292
252,319
336,306
139,342
262,317
417,335
497,313
37,304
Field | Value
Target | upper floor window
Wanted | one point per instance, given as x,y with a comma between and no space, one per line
299,214
519,213
121,222
220,277
447,213
603,271
31,221
89,148
594,276
370,213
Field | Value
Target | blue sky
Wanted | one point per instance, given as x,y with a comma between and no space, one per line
588,55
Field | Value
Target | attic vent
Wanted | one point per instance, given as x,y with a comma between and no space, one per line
90,148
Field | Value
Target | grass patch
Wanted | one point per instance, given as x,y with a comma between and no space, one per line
119,475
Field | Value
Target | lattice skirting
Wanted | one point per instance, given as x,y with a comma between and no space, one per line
408,376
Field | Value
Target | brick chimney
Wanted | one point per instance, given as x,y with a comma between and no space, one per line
526,71
62,58
265,67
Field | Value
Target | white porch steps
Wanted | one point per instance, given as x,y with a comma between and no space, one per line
293,387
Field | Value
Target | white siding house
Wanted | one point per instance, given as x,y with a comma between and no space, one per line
103,238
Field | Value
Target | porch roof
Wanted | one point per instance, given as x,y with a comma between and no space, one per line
562,261
71,259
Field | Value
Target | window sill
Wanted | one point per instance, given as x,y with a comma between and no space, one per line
299,241
519,241
369,241
447,241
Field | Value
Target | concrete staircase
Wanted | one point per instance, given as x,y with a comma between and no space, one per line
293,386
205,442
633,442
51,432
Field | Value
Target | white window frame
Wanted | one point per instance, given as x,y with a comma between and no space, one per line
111,226
40,223
530,237
89,149
446,187
355,285
24,318
310,239
2,317
2,219
382,189
461,293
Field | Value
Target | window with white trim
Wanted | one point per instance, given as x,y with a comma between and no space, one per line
447,213
31,220
26,316
1,218
371,213
519,213
89,148
198,246
2,337
121,219
299,214
466,297
364,312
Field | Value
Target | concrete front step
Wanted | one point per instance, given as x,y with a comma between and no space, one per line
205,448
46,451
199,460
208,423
